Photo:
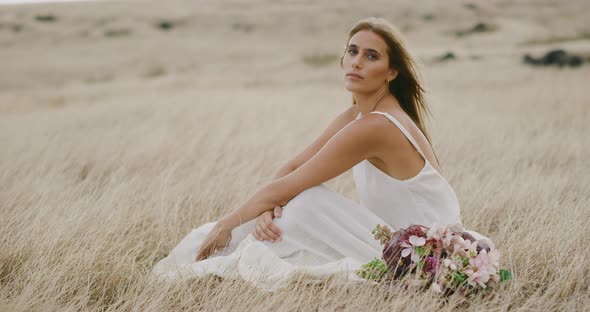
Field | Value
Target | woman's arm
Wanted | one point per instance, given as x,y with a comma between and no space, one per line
356,142
265,228
353,144
335,125
283,171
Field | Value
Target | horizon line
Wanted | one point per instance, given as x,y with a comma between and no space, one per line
17,2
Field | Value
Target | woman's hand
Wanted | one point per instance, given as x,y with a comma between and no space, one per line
265,228
219,236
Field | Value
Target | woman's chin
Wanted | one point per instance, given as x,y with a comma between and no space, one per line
351,87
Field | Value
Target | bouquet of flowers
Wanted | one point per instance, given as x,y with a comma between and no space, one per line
446,259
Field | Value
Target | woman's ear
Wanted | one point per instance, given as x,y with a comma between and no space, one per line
393,73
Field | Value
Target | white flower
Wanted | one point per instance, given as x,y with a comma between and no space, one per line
436,231
417,241
447,262
436,288
453,266
410,248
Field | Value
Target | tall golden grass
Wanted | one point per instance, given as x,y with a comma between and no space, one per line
100,178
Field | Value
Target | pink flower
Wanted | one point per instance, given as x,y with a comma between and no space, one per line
485,260
483,267
460,243
414,241
477,277
496,278
448,235
448,252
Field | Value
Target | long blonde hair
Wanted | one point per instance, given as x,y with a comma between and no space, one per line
405,87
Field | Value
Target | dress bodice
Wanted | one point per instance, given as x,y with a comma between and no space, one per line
424,199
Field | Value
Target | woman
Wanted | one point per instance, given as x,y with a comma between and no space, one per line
381,137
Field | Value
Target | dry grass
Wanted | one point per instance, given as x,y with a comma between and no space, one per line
102,177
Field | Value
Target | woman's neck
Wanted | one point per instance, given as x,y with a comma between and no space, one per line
368,102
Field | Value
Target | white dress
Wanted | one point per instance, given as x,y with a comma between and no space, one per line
323,232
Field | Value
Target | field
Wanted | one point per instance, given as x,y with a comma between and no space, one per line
125,124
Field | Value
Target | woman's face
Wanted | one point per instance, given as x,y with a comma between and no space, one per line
366,56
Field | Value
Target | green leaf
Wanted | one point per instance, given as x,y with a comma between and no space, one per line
373,270
377,228
459,277
419,250
505,275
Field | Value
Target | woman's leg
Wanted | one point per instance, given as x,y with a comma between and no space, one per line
320,225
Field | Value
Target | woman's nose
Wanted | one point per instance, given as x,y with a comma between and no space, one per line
356,62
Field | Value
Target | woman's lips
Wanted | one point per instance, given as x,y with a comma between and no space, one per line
354,76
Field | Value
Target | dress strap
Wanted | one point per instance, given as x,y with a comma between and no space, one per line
404,131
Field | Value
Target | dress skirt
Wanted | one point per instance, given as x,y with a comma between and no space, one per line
323,233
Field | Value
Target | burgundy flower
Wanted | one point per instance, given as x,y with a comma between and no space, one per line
392,250
417,230
466,235
437,247
430,265
436,251
483,244
392,254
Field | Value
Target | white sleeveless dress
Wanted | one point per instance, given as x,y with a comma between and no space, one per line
323,232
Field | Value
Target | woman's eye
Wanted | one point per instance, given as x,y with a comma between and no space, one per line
373,56
351,51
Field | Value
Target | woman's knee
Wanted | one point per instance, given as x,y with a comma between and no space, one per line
300,206
307,196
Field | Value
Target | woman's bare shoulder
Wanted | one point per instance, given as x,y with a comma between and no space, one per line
345,117
351,112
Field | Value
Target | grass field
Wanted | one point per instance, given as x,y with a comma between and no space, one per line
118,136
